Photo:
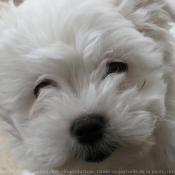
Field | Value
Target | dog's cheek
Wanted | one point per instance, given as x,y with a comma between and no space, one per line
38,106
36,109
47,140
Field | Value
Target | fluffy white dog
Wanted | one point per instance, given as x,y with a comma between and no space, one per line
88,86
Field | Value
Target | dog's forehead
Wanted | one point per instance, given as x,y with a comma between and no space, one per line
85,29
75,23
68,32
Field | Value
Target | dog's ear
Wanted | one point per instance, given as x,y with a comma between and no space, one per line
146,14
155,20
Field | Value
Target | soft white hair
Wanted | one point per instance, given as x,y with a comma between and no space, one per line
71,42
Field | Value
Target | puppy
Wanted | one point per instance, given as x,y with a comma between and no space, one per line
88,86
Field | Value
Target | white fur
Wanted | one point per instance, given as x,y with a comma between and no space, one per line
70,42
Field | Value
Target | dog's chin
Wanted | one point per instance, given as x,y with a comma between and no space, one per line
97,157
95,153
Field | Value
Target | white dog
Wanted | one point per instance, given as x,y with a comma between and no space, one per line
88,86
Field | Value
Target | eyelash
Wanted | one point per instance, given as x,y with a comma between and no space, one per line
43,84
116,67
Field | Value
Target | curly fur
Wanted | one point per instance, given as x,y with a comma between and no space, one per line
71,42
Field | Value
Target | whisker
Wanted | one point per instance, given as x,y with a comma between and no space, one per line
142,85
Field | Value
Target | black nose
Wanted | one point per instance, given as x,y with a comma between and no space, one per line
89,129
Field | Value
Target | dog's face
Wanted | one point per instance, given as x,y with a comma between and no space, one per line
83,81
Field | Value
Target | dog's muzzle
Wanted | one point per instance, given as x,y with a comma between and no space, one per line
92,137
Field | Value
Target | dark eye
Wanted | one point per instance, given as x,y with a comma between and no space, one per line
116,67
43,84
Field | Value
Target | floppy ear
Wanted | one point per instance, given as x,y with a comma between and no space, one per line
146,14
154,19
170,8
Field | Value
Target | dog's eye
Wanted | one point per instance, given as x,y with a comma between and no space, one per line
116,67
43,84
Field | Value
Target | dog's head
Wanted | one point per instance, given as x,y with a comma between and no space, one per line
85,81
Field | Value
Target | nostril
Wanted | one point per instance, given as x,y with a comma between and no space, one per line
96,129
80,133
83,132
88,130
